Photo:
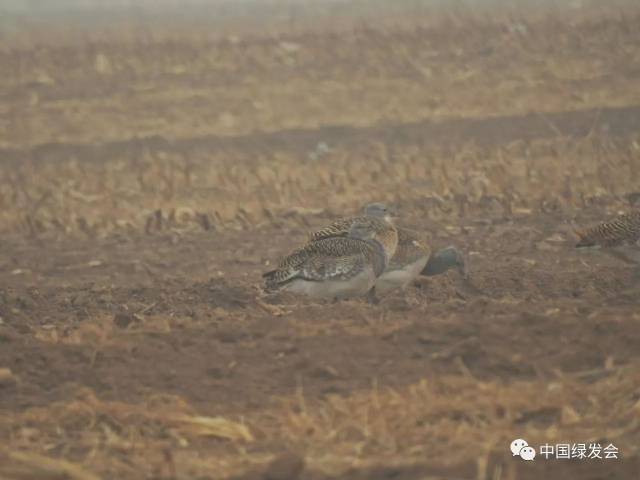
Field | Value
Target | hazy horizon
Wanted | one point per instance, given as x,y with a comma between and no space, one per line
39,7
18,16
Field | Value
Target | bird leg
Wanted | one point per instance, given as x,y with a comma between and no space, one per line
371,296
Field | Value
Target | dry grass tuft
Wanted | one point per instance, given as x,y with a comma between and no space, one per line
450,419
230,193
25,465
97,433
212,427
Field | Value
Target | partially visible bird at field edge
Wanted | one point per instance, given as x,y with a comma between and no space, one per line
619,237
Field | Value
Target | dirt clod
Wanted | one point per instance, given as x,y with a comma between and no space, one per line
123,320
286,466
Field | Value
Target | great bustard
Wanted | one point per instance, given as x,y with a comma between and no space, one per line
334,267
619,237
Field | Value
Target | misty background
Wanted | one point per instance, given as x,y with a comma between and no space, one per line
46,9
234,16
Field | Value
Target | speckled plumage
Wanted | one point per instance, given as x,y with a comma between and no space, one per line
385,232
334,267
340,228
624,230
375,216
620,236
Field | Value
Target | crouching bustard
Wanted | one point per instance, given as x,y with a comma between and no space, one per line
338,267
